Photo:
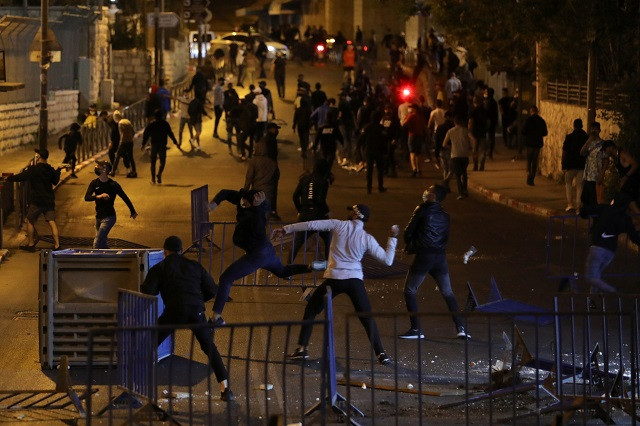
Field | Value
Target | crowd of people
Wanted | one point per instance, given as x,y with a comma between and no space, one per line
381,125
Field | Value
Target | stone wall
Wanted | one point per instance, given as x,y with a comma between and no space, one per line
131,71
19,121
176,61
559,118
100,52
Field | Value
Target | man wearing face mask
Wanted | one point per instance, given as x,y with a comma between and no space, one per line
250,235
42,178
103,191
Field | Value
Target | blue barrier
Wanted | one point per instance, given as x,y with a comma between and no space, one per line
329,356
199,214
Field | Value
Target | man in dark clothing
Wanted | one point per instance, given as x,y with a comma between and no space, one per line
318,97
114,138
346,121
263,173
196,111
442,153
613,220
199,85
573,163
42,178
233,56
184,286
72,139
158,130
327,138
279,73
426,236
310,199
267,94
261,54
302,121
303,84
391,132
231,102
249,235
103,191
478,127
247,125
373,141
491,107
507,116
534,130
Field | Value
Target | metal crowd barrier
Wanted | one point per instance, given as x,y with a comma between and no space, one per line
216,238
265,384
94,139
199,213
567,248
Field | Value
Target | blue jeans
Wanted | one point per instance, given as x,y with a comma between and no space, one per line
597,260
103,226
436,266
264,258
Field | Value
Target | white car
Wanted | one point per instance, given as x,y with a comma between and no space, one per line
241,38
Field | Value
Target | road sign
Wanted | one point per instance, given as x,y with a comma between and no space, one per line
165,19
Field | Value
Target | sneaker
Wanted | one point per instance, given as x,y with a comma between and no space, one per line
215,135
462,334
227,395
384,359
73,175
298,354
318,265
412,334
132,175
568,208
218,322
159,179
460,197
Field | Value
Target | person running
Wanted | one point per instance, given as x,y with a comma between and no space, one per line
103,191
72,139
249,235
196,111
184,286
349,243
42,178
158,131
218,105
125,151
426,236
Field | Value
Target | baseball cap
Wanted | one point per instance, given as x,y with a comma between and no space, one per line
272,126
173,243
42,153
361,210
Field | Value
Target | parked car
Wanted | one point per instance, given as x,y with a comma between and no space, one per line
241,38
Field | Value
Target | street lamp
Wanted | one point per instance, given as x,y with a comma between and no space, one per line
44,49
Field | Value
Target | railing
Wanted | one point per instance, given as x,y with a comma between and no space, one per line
576,94
94,139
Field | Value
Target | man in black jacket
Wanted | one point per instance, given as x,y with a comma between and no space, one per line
427,235
263,173
534,131
184,286
158,131
250,235
41,178
612,221
573,163
373,140
310,199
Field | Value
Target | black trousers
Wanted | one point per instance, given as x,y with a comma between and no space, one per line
280,84
379,162
303,136
217,110
188,315
125,151
352,287
532,162
155,154
70,158
459,168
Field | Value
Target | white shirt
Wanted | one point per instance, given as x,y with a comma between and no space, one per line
436,117
403,111
263,107
349,243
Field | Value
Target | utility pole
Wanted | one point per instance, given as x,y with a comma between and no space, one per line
591,83
45,60
161,57
156,50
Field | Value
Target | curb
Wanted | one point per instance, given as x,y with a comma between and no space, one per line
510,202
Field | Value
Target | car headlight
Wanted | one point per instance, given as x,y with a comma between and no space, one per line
271,48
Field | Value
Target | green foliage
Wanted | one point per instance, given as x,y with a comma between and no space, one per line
126,33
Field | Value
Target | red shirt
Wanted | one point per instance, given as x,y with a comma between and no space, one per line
349,59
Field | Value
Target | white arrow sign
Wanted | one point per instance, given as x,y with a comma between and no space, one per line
165,19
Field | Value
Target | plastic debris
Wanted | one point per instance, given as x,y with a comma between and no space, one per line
472,250
364,386
267,386
409,386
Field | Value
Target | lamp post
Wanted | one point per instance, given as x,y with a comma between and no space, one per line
44,67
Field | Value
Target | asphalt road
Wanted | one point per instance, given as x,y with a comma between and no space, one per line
511,248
